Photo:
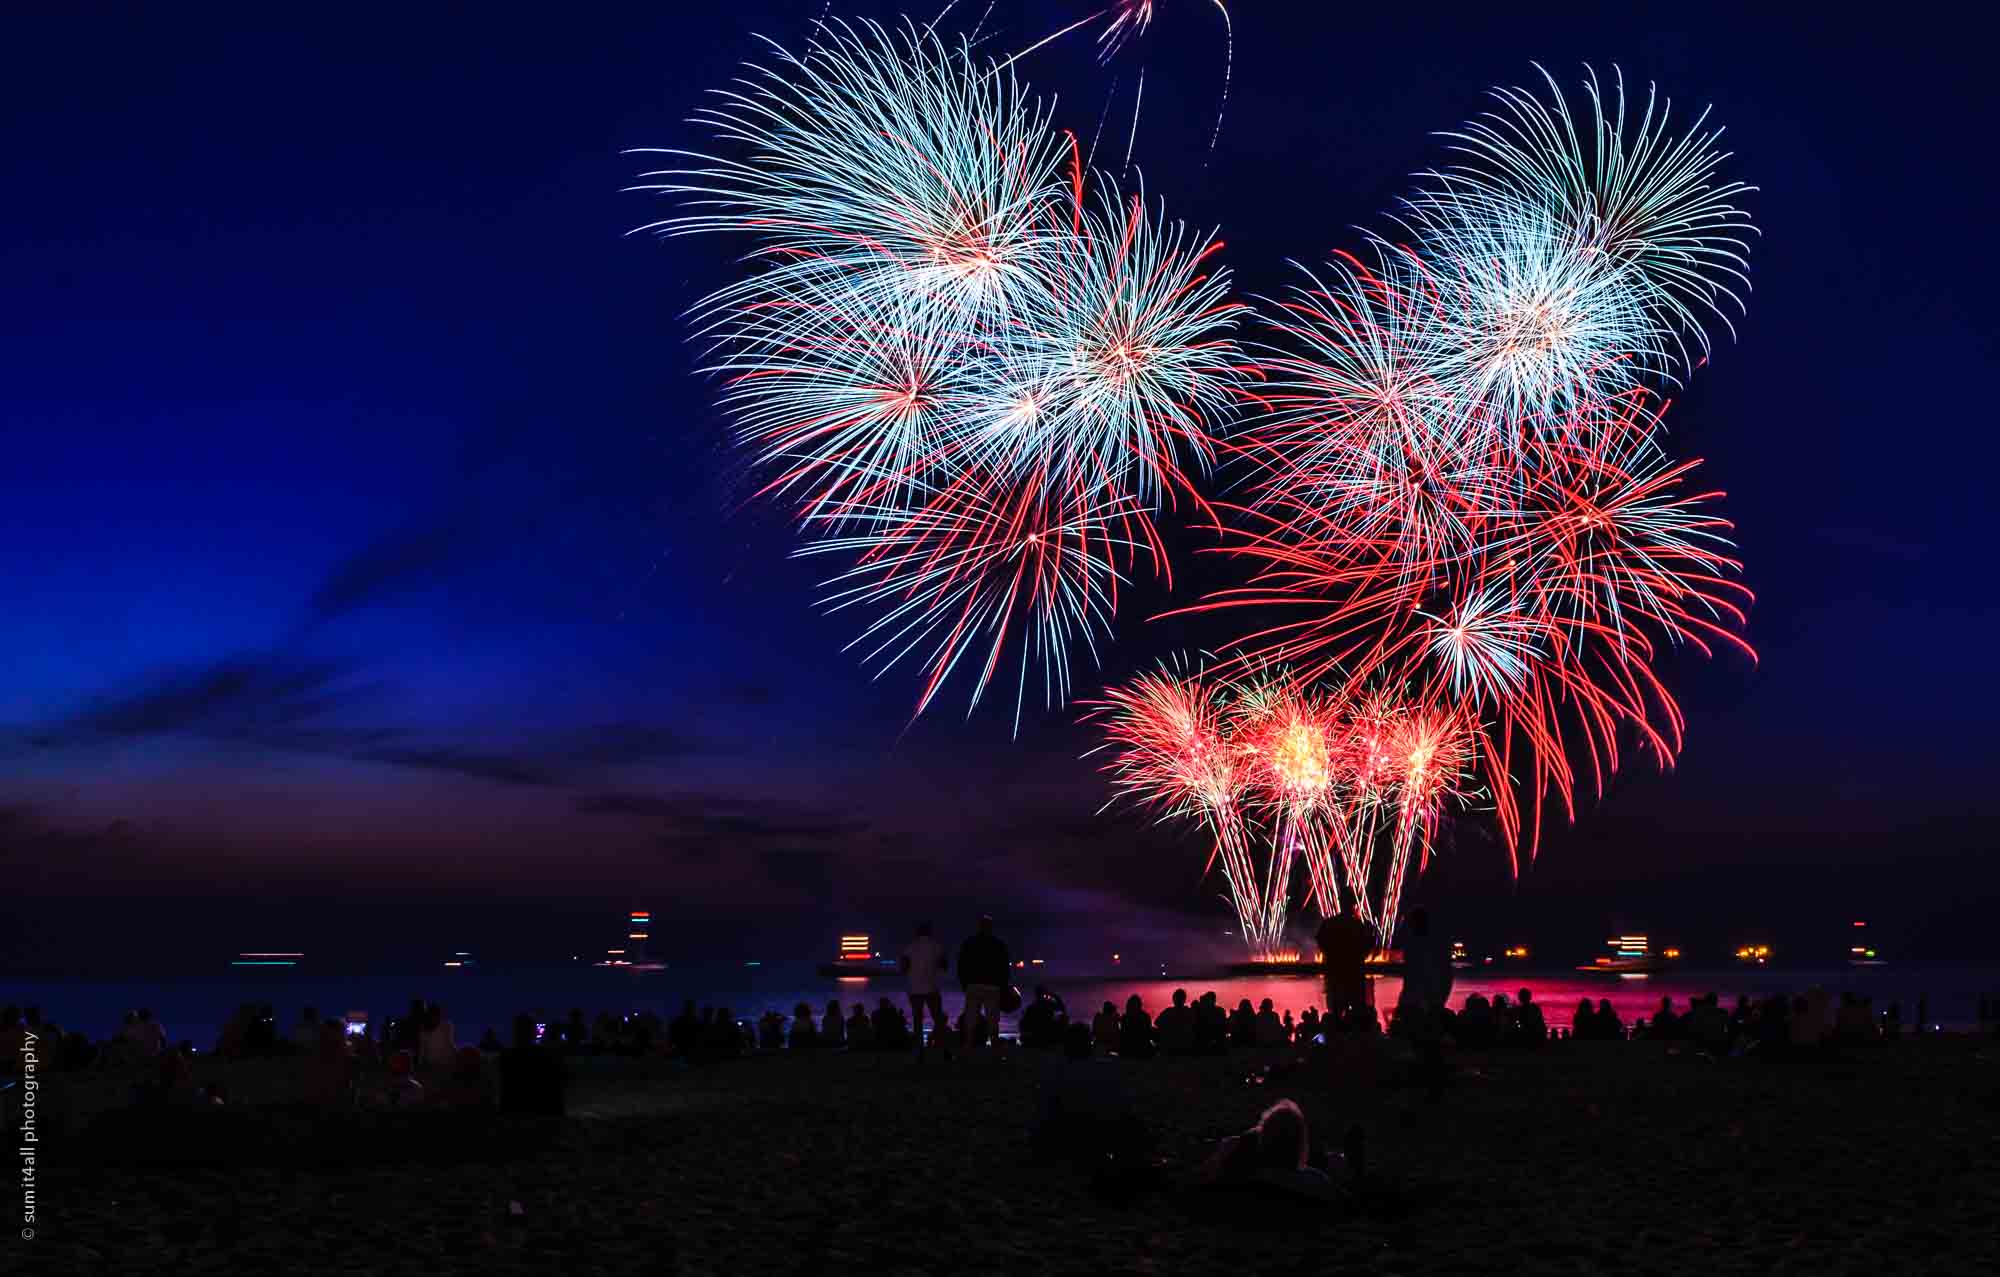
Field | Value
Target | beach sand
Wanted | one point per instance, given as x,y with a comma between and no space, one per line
1581,1158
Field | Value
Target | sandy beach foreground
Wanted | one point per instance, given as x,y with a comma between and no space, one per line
1582,1157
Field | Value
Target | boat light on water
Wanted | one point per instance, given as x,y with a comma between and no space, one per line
1517,952
1758,954
858,960
1630,955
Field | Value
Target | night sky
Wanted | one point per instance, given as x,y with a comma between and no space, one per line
378,579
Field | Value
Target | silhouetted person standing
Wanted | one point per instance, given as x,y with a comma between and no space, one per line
1427,977
924,963
984,968
1344,944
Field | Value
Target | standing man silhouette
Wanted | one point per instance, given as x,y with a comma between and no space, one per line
1345,942
984,968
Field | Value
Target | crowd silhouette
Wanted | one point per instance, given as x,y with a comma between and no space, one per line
416,1060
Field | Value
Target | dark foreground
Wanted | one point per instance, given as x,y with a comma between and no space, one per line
1581,1157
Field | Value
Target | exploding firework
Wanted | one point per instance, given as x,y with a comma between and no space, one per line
1624,187
964,372
1169,752
1351,787
1459,485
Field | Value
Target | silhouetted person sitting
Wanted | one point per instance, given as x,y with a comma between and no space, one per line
1135,1031
891,1033
1583,1024
1044,1020
1530,1029
1243,1025
725,1036
985,970
1476,1025
1266,1028
1609,1026
489,1041
1770,1025
305,1034
832,1029
804,1035
684,1030
1585,1021
1707,1025
770,1031
1104,1028
1666,1025
1211,1026
531,1075
1175,1026
860,1030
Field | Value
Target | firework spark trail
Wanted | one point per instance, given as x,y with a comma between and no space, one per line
1129,21
1261,759
961,370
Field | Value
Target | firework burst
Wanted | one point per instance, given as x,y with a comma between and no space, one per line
965,373
1458,486
1351,786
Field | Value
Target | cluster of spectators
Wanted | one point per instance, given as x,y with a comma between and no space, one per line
1811,1018
1201,1026
1483,1022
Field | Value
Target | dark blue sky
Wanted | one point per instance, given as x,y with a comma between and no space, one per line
368,544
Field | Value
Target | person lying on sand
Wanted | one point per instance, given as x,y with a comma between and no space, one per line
1272,1155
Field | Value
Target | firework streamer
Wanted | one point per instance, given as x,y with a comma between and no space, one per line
1265,756
1126,21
